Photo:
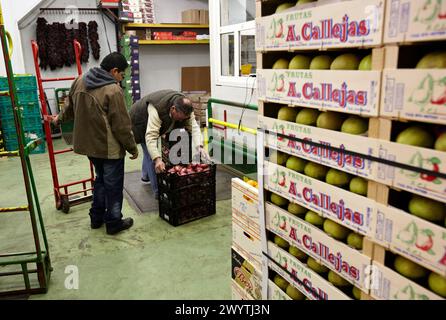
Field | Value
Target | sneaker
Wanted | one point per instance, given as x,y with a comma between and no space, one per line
144,181
118,226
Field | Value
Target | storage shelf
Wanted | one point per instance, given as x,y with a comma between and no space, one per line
167,25
165,42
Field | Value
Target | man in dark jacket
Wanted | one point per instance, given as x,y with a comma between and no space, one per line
155,115
102,132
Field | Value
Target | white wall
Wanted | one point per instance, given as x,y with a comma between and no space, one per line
228,92
160,65
28,33
12,12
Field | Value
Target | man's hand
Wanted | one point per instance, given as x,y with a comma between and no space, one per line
203,154
134,156
159,165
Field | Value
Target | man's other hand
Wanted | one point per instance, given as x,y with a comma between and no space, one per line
159,165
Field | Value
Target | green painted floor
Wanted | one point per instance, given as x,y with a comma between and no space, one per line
152,260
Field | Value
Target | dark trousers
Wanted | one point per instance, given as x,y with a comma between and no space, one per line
108,190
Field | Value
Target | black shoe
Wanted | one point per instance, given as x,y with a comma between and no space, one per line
144,181
118,226
96,225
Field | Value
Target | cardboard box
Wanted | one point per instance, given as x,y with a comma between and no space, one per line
323,26
414,95
191,16
351,91
351,164
414,20
312,285
337,256
275,293
390,285
429,159
196,79
246,275
247,242
346,208
245,204
204,17
238,293
414,238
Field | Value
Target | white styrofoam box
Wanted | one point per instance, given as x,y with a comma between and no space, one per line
312,285
349,209
338,160
238,293
337,256
350,91
247,242
275,293
414,238
414,20
138,20
414,182
245,202
390,285
137,15
246,275
339,25
414,94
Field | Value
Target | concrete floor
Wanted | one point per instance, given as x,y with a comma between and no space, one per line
152,260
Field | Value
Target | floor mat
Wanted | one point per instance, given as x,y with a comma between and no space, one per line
141,198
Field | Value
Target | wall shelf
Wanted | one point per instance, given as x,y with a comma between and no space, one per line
166,25
165,42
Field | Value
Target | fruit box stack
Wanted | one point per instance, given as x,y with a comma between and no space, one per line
246,245
140,11
131,82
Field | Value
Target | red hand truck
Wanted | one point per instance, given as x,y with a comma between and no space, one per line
64,199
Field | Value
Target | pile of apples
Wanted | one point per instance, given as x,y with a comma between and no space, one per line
189,169
419,274
320,269
330,120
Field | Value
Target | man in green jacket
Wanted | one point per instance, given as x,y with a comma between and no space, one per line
102,131
155,115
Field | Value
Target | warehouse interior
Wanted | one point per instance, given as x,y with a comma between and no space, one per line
260,150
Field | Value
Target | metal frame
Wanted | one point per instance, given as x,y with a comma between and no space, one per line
40,257
63,198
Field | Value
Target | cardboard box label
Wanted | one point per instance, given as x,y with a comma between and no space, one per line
346,24
414,182
390,285
346,208
412,237
238,293
414,95
304,279
275,293
245,203
338,160
415,20
355,92
247,242
246,275
346,261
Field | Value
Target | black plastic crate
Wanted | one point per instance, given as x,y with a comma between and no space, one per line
186,214
186,198
172,181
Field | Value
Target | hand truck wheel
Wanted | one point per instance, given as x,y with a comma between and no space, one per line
65,204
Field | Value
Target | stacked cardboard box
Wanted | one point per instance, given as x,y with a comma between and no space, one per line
131,83
195,16
138,11
246,247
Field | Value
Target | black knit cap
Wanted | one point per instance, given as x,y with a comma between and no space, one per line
114,60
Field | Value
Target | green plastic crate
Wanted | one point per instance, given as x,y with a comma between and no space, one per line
22,82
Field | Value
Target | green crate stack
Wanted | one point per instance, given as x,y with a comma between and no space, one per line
28,101
128,46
